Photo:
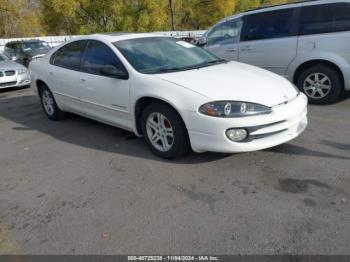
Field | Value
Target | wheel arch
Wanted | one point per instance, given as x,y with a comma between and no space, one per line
141,104
39,85
314,62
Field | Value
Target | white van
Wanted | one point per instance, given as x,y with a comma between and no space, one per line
307,42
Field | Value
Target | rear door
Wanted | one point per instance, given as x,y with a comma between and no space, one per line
63,76
223,39
269,39
105,98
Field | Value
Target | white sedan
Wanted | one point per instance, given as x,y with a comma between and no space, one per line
178,96
12,74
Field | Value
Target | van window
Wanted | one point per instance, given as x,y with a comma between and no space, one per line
268,25
70,55
318,19
225,33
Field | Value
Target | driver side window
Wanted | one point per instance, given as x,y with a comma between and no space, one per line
98,56
225,33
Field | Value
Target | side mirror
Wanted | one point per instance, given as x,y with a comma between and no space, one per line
202,41
112,71
13,57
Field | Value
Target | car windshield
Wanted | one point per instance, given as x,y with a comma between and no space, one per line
164,54
29,46
3,58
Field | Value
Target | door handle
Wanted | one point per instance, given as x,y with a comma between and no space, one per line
82,79
311,45
231,50
246,48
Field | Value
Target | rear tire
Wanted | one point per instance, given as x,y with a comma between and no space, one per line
164,131
49,104
321,83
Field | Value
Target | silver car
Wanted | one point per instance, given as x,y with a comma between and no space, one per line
307,42
12,74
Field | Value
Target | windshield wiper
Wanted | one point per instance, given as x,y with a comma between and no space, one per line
197,66
172,69
208,63
214,62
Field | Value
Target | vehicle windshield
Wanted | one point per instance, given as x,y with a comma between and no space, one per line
3,58
164,54
29,46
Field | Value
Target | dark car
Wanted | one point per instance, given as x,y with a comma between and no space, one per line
25,51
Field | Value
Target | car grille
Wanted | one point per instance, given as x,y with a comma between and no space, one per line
10,73
8,84
264,131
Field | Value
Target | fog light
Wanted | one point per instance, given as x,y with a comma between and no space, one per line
237,135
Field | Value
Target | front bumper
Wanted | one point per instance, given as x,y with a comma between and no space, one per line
286,122
15,80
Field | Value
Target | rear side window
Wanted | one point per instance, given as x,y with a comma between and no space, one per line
9,48
99,55
9,45
70,55
318,19
269,25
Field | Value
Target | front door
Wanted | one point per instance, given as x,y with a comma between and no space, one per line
104,97
223,39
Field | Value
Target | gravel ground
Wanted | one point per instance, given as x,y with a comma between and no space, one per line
81,187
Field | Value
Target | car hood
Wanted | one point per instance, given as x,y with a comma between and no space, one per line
235,81
10,65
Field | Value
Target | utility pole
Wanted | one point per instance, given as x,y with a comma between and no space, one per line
171,8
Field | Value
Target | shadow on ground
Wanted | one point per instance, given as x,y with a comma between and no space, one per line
26,111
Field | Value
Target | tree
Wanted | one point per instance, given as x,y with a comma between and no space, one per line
243,5
88,16
201,14
19,18
33,17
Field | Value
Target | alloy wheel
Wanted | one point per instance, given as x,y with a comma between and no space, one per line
48,102
160,132
317,85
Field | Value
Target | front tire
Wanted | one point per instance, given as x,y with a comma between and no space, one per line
322,84
164,131
49,104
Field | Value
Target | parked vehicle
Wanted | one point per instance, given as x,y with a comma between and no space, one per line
307,42
190,39
12,74
173,93
25,51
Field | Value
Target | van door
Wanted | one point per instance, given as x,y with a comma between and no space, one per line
269,39
223,39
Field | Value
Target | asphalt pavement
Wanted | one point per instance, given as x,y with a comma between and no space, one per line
80,187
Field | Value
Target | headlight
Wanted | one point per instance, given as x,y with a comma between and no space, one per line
228,109
22,71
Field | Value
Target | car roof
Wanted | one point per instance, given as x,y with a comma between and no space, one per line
282,6
25,41
119,36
